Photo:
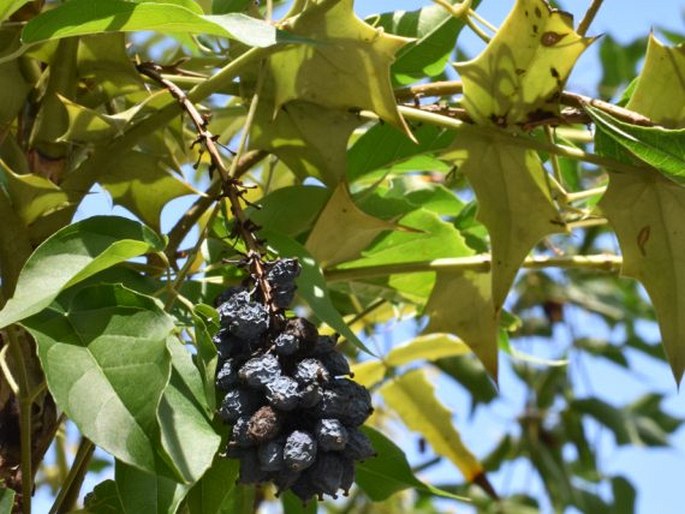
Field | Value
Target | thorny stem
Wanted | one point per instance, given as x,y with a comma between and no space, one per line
584,24
231,186
605,262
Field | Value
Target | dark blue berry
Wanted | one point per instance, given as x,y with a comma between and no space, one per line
286,344
283,272
227,376
238,403
282,393
310,395
336,363
244,318
271,456
331,435
359,446
259,371
311,371
299,451
345,400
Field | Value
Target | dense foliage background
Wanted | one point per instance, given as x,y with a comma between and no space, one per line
455,224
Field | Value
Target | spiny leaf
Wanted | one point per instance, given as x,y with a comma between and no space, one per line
81,17
461,304
646,209
413,397
93,349
343,230
73,254
514,202
519,76
311,139
660,89
347,67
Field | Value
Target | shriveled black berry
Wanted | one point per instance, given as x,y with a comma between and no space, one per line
310,395
326,473
299,451
282,393
229,294
331,435
336,363
227,376
304,489
311,371
345,400
283,272
227,345
265,424
237,403
271,456
259,371
250,470
283,296
240,434
242,317
325,344
304,330
348,475
286,344
359,446
284,479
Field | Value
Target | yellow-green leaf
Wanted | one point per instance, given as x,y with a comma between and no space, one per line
647,210
309,138
461,304
346,67
660,89
343,230
142,185
514,202
425,347
412,396
518,77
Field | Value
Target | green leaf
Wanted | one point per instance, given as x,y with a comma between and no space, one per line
225,6
624,496
213,493
73,254
381,146
619,63
81,17
520,74
343,230
142,492
9,7
188,437
290,210
328,73
412,397
205,320
104,499
388,473
661,148
514,202
660,90
6,500
13,81
106,364
427,347
137,175
312,286
309,138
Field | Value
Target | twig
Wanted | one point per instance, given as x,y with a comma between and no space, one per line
69,492
584,24
605,262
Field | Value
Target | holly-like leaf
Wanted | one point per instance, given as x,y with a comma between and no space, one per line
514,202
310,139
143,185
461,304
346,67
660,89
519,76
412,396
81,17
343,230
646,209
73,254
106,364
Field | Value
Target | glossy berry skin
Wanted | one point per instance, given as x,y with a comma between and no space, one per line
271,456
227,376
259,371
238,403
283,272
282,393
311,371
243,318
326,474
359,446
240,435
309,396
345,400
336,363
299,451
331,435
286,344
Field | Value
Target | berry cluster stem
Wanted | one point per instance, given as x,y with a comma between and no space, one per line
231,187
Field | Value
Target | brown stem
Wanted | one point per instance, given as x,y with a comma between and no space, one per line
230,185
589,16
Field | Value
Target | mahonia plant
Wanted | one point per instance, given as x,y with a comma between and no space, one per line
294,412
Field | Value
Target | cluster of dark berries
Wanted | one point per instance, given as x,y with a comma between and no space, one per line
295,415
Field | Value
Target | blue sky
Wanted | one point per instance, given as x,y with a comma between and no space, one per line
656,473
